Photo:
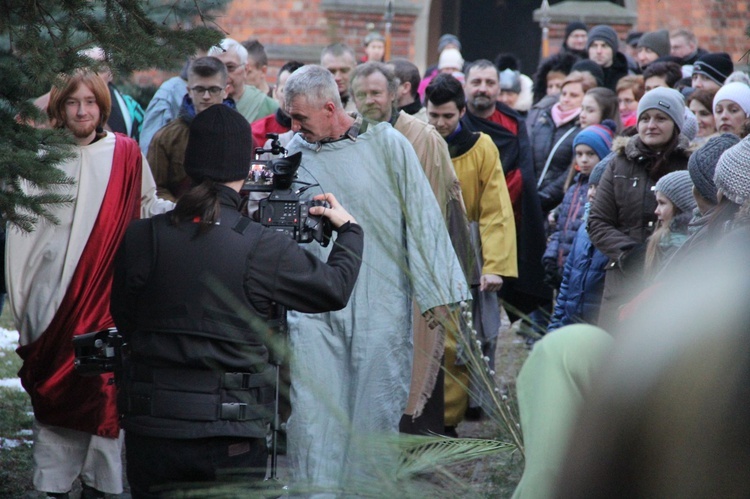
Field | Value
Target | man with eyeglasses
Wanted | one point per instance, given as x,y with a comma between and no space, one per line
207,85
251,102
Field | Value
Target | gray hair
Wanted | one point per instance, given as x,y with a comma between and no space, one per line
314,83
339,49
372,67
229,45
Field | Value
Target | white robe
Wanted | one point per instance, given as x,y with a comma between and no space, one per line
39,268
40,264
351,369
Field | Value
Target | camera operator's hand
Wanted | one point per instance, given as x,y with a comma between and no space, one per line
336,213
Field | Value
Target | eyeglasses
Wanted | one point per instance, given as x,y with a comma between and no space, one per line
203,90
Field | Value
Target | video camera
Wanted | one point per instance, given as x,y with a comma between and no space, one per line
283,210
98,352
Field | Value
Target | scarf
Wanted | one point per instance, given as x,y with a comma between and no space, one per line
561,117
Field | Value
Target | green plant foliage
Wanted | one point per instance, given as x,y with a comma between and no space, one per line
15,451
42,39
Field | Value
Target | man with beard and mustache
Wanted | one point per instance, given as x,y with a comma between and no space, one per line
374,87
59,278
507,130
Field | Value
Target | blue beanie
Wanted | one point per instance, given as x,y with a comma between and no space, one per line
597,137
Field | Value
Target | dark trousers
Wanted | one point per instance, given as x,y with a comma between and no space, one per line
158,465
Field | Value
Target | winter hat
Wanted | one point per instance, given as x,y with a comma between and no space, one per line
589,66
633,37
510,80
702,164
446,39
658,41
372,36
596,174
716,65
690,127
220,146
597,137
450,58
605,34
735,92
678,188
575,25
666,100
732,176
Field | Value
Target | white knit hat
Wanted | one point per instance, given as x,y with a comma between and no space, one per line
736,92
732,176
451,58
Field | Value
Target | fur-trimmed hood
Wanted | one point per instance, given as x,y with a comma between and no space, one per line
632,147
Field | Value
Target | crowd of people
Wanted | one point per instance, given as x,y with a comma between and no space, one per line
569,198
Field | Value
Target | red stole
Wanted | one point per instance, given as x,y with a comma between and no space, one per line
59,395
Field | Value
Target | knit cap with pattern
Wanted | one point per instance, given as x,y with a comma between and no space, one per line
598,171
716,65
702,164
732,176
678,188
597,137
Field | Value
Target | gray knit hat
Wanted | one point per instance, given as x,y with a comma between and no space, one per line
510,81
596,174
702,164
667,100
732,176
678,188
690,126
446,39
658,41
605,34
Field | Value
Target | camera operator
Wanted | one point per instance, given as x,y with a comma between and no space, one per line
191,294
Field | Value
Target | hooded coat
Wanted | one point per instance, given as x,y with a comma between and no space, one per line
622,216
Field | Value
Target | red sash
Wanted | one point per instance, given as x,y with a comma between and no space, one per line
59,395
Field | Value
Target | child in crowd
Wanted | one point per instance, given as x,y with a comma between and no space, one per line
674,210
590,146
583,277
599,104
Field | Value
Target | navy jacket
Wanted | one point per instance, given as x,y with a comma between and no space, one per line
582,286
569,219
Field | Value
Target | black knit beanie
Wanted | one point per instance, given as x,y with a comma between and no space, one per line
589,66
716,65
220,146
575,25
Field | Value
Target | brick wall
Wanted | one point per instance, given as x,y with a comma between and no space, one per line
718,24
280,24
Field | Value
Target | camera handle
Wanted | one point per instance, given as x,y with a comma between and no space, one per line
276,148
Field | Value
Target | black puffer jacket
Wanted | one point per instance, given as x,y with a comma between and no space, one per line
194,307
617,70
544,135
